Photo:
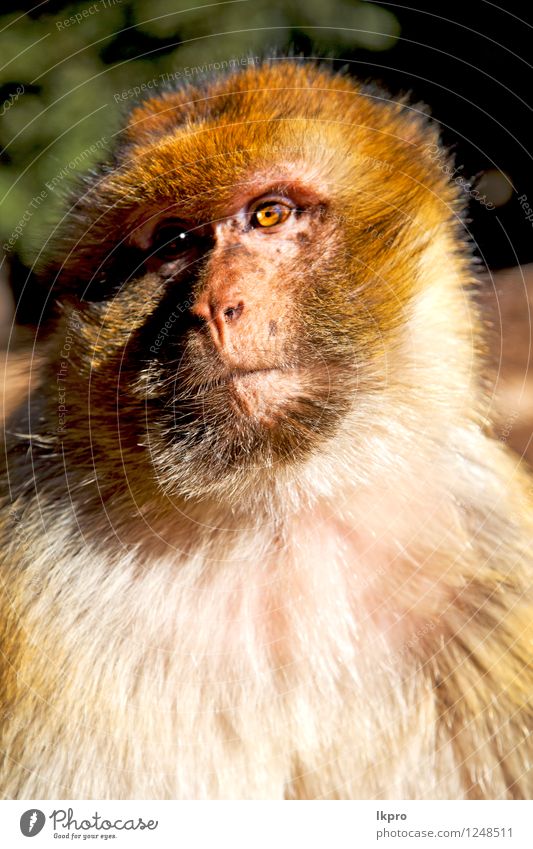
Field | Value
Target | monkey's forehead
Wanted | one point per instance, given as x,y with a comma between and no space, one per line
214,166
271,90
272,123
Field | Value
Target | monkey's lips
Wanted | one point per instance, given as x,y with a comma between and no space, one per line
235,415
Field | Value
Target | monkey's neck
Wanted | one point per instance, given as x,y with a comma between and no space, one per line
390,494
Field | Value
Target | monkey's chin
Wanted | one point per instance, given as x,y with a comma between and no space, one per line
234,436
263,394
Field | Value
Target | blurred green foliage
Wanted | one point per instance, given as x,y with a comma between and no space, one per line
64,66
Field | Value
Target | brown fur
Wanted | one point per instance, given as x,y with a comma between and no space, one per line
309,581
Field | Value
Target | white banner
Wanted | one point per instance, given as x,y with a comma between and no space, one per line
268,825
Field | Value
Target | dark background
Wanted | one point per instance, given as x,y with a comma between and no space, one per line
469,61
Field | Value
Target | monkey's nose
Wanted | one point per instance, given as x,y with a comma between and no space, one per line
218,316
233,313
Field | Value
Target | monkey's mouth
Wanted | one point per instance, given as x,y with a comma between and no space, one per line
218,422
245,372
246,401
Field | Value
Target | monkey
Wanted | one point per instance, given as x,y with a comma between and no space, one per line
258,538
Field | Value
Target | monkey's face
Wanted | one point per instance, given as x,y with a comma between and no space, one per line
248,293
244,363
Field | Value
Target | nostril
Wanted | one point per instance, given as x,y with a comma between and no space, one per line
233,313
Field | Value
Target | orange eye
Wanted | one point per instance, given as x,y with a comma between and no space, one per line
270,213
